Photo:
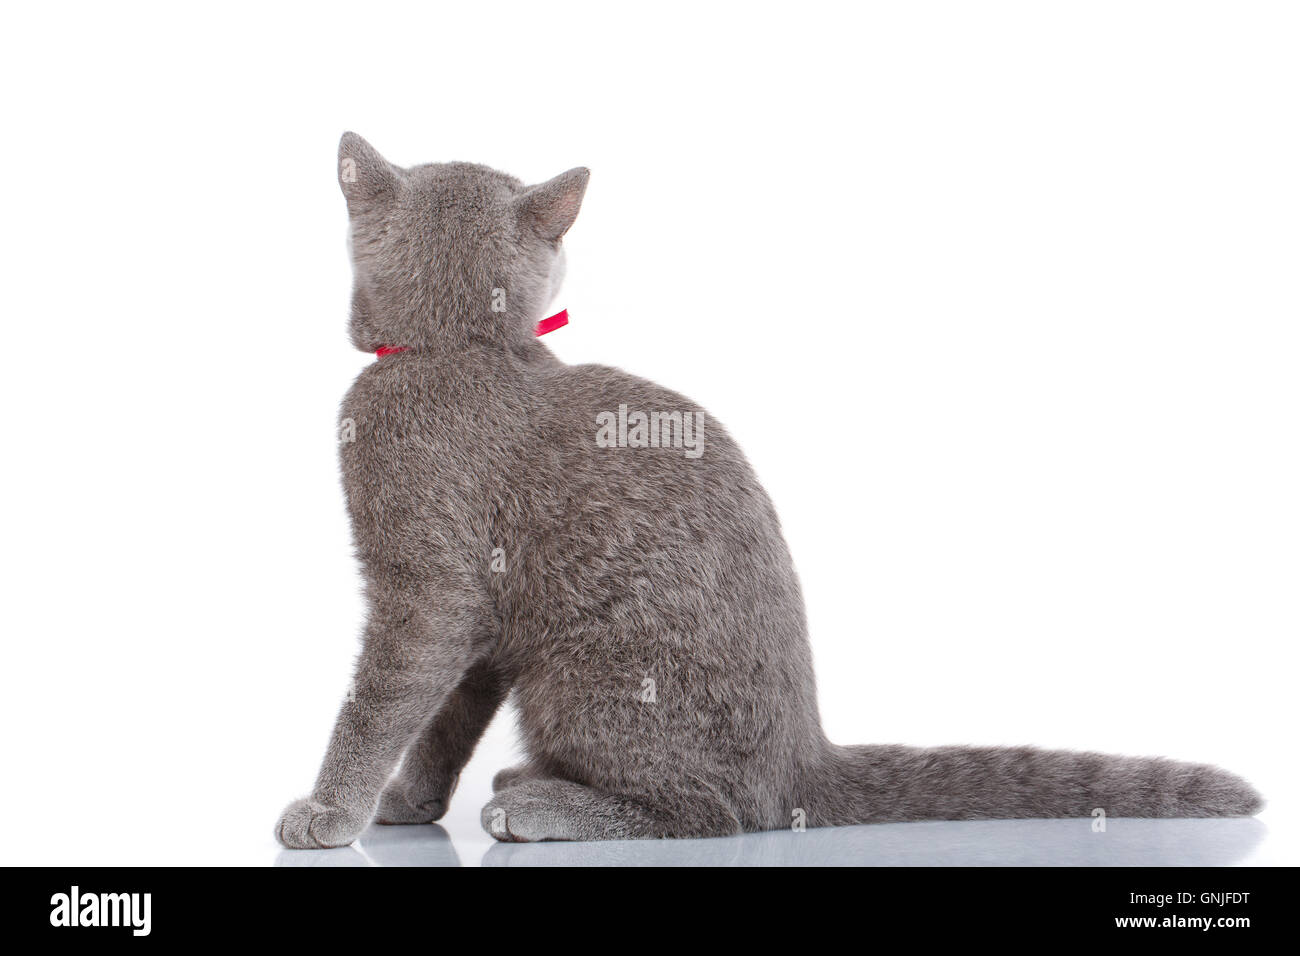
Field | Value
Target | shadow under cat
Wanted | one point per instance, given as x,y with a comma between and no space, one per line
1070,842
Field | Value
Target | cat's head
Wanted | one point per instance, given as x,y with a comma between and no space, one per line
448,254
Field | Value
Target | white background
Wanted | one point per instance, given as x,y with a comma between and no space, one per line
999,298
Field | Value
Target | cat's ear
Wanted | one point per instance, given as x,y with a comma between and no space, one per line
364,176
549,209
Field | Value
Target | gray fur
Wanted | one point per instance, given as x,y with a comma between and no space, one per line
618,566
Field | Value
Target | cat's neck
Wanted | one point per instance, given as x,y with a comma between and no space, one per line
451,332
470,352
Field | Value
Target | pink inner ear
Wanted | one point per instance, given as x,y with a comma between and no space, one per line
553,322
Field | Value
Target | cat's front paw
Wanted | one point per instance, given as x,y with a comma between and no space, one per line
397,807
308,825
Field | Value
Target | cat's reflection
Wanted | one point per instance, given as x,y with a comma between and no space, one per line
1125,842
382,846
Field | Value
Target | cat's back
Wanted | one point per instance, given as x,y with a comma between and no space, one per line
608,424
422,436
638,476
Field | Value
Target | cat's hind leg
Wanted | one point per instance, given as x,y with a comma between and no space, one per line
422,787
534,810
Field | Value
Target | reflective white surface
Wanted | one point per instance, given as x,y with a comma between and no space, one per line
1125,842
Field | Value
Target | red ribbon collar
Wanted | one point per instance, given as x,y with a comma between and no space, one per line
553,322
548,324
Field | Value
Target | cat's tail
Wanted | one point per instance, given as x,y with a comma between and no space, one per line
879,784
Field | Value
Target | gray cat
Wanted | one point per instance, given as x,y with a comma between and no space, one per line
592,543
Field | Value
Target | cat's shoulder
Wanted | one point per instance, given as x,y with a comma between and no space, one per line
604,381
407,374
